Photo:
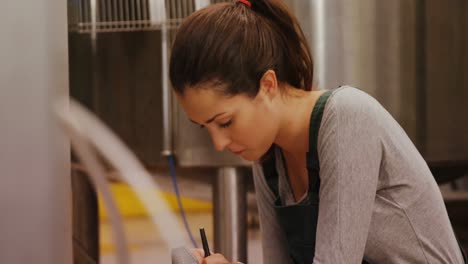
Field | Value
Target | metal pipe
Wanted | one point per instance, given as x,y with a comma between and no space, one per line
320,32
230,211
121,13
94,19
94,14
107,12
132,13
127,16
115,14
145,14
179,9
166,94
77,19
86,18
138,13
190,8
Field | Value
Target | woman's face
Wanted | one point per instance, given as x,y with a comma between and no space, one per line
243,125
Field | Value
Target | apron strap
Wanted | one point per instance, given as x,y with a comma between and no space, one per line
312,160
313,168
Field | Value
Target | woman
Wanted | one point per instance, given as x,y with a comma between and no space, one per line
337,179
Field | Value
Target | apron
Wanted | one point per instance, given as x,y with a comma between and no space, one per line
299,221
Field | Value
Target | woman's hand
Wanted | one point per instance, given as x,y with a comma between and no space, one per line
212,259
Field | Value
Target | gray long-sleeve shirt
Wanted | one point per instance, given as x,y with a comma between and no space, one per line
378,197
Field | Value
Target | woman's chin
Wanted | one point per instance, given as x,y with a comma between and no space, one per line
249,156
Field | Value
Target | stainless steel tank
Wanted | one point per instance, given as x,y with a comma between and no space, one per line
409,54
368,44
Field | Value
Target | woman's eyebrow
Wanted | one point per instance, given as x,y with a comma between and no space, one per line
209,120
213,118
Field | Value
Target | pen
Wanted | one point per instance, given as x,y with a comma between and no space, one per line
206,248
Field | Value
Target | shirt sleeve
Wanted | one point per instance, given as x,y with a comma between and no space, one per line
350,154
274,243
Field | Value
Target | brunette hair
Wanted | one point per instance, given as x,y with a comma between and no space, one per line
231,46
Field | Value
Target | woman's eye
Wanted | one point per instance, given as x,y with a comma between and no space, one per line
227,124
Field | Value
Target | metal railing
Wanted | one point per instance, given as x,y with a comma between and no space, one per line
89,16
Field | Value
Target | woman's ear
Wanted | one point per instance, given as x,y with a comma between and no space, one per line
269,85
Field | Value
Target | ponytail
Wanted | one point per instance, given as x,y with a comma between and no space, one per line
231,45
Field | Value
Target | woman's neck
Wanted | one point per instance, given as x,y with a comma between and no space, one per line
293,135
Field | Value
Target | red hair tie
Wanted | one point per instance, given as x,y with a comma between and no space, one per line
245,2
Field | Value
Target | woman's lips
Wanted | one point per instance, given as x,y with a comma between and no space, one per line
237,152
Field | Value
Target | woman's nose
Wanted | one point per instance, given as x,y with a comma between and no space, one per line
220,140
